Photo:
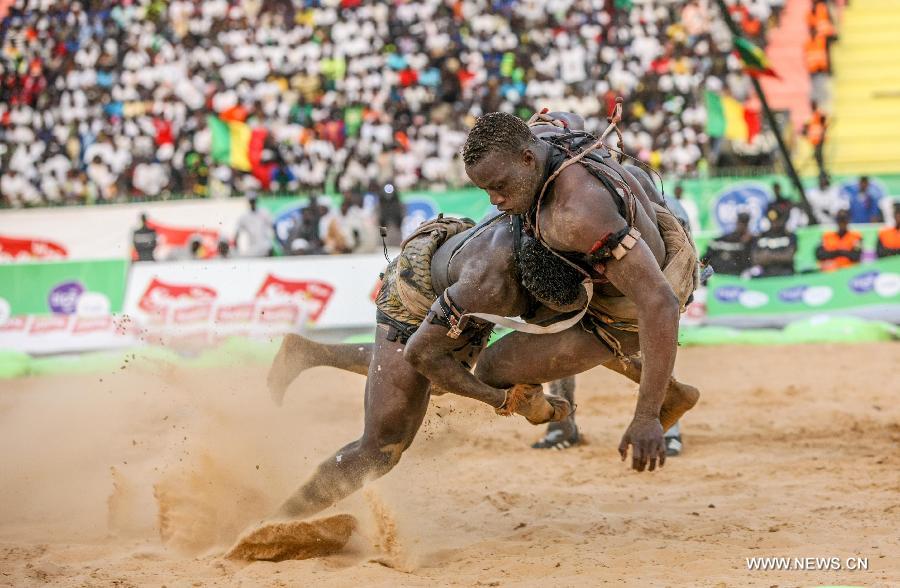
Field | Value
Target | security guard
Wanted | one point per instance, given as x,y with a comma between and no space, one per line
841,248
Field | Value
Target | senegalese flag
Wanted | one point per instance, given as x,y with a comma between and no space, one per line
235,144
726,117
755,61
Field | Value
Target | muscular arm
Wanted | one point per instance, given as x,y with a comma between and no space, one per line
482,287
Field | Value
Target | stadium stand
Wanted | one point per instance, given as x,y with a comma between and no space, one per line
110,101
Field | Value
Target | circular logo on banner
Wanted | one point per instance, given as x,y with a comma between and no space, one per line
817,295
750,198
753,299
418,210
792,294
63,299
729,293
5,311
284,222
887,285
93,304
864,282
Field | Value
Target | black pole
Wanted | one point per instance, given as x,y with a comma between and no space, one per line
773,124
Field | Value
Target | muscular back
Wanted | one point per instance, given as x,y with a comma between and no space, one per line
483,271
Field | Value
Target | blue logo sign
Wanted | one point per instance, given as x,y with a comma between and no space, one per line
864,282
794,294
729,293
63,299
750,198
418,210
285,221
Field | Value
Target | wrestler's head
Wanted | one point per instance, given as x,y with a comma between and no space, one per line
501,158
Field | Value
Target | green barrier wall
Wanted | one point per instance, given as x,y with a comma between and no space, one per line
869,285
27,287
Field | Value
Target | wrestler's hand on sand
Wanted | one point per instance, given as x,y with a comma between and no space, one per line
645,435
538,408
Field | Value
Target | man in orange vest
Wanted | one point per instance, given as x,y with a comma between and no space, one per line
814,130
841,248
815,52
889,237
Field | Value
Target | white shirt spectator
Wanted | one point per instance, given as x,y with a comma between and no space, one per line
254,234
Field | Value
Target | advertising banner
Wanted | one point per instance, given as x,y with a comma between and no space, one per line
420,207
200,302
55,307
105,231
719,200
23,249
869,290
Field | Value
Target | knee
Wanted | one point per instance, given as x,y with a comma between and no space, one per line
382,457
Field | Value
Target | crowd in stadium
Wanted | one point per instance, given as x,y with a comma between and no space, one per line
109,101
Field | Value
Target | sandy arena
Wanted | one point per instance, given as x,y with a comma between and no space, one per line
144,477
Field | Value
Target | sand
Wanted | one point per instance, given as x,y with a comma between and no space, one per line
145,476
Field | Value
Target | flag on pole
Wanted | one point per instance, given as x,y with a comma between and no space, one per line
726,117
755,61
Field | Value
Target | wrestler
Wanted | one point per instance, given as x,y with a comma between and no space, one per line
578,201
297,353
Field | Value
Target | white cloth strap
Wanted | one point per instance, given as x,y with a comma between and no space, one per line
523,327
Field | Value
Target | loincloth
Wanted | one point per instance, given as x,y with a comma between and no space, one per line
407,293
680,268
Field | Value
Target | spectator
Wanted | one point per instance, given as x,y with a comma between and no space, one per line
819,19
841,248
889,237
223,248
816,54
824,200
773,251
730,254
390,214
303,238
193,250
690,209
17,190
150,178
361,224
103,179
144,240
865,208
254,232
345,87
814,131
780,206
337,229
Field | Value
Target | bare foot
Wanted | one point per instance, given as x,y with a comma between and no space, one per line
295,355
680,398
281,540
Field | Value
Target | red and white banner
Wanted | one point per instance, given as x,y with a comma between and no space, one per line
203,301
65,333
25,249
104,232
